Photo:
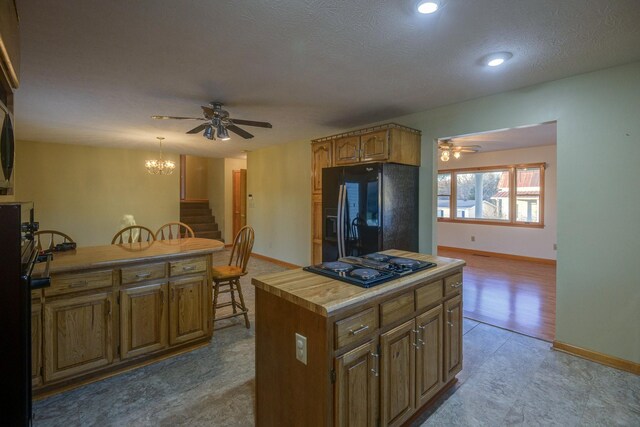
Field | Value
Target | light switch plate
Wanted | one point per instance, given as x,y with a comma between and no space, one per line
301,348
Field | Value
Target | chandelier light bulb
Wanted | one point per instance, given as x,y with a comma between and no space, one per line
444,156
160,166
456,154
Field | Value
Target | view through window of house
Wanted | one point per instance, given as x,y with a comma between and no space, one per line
487,194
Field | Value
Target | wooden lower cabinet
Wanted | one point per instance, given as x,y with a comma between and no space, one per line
189,309
78,335
36,344
357,387
429,355
452,337
143,319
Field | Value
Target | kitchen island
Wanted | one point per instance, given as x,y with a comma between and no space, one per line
331,353
110,308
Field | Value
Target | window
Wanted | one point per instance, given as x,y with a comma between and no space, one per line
503,195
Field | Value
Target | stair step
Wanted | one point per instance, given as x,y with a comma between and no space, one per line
209,234
194,205
197,219
195,212
204,227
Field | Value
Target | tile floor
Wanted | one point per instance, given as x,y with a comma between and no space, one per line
508,379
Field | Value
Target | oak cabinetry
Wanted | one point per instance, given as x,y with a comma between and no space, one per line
429,353
453,337
78,335
143,319
36,344
141,273
385,143
357,387
188,310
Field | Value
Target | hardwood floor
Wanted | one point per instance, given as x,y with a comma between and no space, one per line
511,294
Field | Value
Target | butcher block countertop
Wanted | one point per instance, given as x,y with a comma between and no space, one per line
325,296
85,258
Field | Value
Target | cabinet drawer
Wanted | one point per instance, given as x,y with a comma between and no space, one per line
353,328
453,284
396,309
187,266
138,273
428,294
76,282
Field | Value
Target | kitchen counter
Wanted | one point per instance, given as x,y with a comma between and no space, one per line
325,296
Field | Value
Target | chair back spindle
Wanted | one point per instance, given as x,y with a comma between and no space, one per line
174,230
51,236
242,247
134,234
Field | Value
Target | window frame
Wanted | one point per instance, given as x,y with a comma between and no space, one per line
512,221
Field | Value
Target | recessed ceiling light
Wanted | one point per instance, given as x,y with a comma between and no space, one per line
427,7
496,59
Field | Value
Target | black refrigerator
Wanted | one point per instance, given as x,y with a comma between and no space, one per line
368,208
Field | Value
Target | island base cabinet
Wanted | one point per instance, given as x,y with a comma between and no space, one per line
143,319
357,387
78,335
452,337
189,308
36,344
397,385
429,355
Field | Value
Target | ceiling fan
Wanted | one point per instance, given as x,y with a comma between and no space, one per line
218,123
447,149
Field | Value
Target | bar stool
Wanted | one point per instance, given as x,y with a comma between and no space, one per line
226,278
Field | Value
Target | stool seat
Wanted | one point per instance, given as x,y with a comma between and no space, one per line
223,272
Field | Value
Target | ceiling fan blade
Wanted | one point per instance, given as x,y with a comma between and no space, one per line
466,150
199,129
176,118
208,112
252,123
243,133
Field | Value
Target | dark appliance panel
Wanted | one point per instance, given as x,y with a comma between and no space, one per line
399,207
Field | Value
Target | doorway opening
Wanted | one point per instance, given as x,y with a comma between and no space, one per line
239,183
496,209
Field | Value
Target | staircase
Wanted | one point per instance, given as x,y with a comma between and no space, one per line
197,215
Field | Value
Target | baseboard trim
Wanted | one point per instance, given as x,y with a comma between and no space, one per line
193,200
276,261
594,356
499,255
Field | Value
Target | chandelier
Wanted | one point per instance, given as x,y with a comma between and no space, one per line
160,167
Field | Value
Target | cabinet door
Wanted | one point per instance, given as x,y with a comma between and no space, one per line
374,146
143,319
397,395
189,309
429,355
78,335
452,337
322,156
357,387
316,237
36,344
347,150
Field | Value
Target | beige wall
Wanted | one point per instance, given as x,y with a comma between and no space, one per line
84,190
279,179
196,178
215,191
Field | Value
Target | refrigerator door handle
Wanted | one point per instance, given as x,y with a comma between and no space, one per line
340,236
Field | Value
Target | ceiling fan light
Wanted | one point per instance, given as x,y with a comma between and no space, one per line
444,156
208,132
427,7
222,133
456,154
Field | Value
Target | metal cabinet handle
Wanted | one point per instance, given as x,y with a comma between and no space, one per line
419,342
374,370
362,328
188,267
143,275
456,285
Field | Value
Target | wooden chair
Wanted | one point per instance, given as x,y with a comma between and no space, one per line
226,278
53,236
131,230
174,230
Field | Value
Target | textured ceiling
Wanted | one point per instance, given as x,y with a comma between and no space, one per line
94,71
509,139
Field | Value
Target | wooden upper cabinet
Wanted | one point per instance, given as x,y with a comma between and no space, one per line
78,335
189,315
347,150
322,157
143,319
10,44
374,146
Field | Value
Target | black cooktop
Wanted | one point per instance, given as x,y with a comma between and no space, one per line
369,270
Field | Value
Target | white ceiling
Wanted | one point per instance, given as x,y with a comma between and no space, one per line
509,139
94,71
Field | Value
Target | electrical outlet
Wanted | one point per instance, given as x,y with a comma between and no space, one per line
301,348
473,238
555,246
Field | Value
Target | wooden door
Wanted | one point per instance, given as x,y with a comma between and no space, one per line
429,355
78,335
143,319
374,146
347,150
356,387
239,200
321,157
188,309
36,344
452,337
397,382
